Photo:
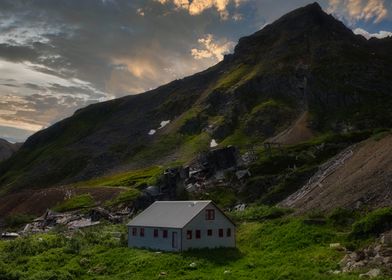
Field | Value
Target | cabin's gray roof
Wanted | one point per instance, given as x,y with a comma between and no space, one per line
170,214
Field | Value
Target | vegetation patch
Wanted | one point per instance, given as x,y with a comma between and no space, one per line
75,202
223,196
147,176
267,118
260,213
194,145
234,76
341,217
373,224
124,197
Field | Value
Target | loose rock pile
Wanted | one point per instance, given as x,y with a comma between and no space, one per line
377,257
75,220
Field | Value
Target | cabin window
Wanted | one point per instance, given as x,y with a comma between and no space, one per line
142,232
209,232
228,232
164,233
188,234
221,232
155,233
134,231
198,234
210,214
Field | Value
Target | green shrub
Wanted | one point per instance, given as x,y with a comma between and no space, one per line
33,245
374,223
75,202
8,274
51,275
341,217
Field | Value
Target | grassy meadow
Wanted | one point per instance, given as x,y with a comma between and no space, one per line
270,245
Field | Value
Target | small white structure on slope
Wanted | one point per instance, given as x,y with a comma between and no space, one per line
181,225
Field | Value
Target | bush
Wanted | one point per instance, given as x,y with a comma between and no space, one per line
8,274
341,217
374,223
33,245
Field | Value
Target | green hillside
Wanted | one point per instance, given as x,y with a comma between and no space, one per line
306,61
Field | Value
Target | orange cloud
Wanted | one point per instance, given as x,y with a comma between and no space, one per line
360,9
211,48
196,7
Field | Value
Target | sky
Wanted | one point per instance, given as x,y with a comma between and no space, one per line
58,56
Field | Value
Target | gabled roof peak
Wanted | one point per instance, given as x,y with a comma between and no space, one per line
170,214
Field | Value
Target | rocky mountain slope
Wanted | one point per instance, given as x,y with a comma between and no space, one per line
7,149
306,69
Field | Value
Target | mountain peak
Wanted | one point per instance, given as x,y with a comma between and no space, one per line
313,6
306,13
308,23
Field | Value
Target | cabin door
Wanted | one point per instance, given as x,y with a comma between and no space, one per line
174,240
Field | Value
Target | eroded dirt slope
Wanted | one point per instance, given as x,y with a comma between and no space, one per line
359,175
36,202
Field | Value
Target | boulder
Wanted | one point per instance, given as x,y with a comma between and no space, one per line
386,238
371,274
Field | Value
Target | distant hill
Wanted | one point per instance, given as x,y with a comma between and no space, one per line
303,76
7,149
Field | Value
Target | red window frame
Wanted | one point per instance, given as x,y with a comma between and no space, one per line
155,233
221,232
228,232
210,214
209,232
134,231
164,233
188,234
198,234
141,232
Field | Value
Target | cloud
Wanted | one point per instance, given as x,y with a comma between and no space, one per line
196,7
354,10
381,34
31,99
211,48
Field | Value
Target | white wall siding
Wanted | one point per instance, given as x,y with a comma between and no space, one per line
148,241
205,241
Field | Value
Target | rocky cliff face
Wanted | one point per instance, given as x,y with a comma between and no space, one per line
305,61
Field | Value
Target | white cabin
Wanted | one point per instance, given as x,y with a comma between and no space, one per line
181,225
